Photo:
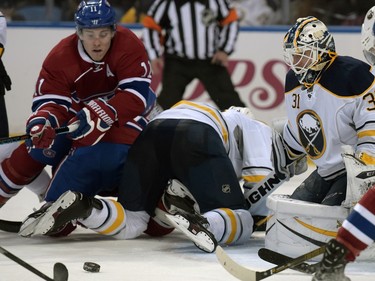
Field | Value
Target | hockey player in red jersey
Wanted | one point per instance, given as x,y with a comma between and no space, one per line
98,79
358,230
355,235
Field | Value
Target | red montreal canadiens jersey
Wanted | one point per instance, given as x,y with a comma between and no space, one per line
70,78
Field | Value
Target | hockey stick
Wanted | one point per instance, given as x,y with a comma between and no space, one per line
62,130
279,259
263,189
10,226
60,272
247,274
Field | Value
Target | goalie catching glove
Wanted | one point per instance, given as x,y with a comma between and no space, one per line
93,121
40,126
285,162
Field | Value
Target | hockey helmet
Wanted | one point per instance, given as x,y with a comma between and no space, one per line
94,14
308,47
368,36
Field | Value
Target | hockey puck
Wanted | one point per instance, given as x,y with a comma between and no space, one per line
91,267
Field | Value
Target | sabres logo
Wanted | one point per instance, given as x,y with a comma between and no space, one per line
311,133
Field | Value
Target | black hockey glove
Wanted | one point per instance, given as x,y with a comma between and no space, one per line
5,81
284,163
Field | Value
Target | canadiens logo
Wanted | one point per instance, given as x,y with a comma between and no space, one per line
49,153
311,133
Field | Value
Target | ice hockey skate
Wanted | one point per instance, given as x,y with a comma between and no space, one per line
194,226
178,198
70,206
333,263
29,224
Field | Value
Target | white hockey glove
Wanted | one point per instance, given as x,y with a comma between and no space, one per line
285,163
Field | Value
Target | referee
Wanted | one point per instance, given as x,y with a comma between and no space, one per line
188,39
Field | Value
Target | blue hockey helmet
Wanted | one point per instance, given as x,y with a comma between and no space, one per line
94,14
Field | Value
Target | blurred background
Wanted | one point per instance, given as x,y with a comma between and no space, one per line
252,12
256,67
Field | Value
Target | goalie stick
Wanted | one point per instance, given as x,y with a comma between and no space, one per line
279,259
248,274
60,272
58,131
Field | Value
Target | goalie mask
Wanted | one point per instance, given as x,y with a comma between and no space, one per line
95,14
308,48
368,36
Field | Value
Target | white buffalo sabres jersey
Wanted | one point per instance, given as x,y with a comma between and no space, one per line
338,110
247,141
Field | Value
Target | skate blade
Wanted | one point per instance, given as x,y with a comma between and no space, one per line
47,222
201,239
27,230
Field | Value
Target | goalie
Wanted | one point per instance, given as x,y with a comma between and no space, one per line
331,113
324,113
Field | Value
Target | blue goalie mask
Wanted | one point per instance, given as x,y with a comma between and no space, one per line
308,48
95,14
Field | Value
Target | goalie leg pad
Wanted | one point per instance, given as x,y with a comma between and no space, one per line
296,227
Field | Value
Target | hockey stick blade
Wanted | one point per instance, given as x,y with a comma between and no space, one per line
247,274
279,259
10,226
60,271
59,131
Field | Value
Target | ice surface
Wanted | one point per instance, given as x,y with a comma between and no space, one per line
171,258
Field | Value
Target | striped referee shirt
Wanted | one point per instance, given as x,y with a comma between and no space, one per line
190,29
3,33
